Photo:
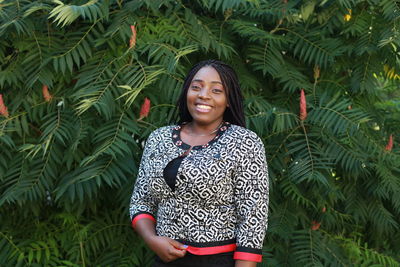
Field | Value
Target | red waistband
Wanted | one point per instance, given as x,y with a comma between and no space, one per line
211,250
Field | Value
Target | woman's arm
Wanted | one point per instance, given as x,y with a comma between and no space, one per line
241,263
143,209
166,248
251,200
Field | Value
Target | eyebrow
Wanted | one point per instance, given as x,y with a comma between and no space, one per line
198,80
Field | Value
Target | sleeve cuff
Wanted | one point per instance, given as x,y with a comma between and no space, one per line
140,216
247,254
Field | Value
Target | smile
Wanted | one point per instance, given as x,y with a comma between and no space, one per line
203,108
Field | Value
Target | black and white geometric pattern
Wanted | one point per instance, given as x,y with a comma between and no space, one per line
221,188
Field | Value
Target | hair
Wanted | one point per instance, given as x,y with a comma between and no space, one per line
234,113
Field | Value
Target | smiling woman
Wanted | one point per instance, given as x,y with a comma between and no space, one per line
206,97
206,102
201,195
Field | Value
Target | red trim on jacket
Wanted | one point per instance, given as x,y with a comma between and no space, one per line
211,250
247,256
142,216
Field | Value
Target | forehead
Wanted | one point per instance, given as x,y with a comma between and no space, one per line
207,74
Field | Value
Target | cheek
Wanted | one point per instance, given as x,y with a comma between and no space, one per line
190,97
223,102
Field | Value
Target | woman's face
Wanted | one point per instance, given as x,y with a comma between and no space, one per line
206,97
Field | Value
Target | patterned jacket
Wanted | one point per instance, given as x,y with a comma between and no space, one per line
220,199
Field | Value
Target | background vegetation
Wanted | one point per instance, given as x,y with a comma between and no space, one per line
73,77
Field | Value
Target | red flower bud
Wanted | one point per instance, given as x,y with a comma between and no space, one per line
323,209
145,109
389,145
3,108
315,225
46,95
132,41
303,105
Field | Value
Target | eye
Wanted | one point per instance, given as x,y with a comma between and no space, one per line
195,87
217,90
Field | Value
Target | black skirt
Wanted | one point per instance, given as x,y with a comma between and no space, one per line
191,260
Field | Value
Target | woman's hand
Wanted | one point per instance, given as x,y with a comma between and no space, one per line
166,248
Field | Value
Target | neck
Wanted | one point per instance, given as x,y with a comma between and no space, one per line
205,129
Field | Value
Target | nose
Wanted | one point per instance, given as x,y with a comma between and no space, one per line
203,93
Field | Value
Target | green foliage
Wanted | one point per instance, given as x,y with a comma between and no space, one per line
68,162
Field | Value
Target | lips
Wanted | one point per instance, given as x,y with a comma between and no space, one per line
203,107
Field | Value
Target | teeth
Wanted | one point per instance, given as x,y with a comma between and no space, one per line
203,107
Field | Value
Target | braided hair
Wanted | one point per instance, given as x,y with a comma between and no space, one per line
234,113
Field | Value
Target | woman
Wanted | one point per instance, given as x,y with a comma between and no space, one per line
201,196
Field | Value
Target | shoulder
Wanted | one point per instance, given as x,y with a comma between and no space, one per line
244,134
161,132
248,143
159,135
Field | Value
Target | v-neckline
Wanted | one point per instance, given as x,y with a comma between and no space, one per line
176,137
